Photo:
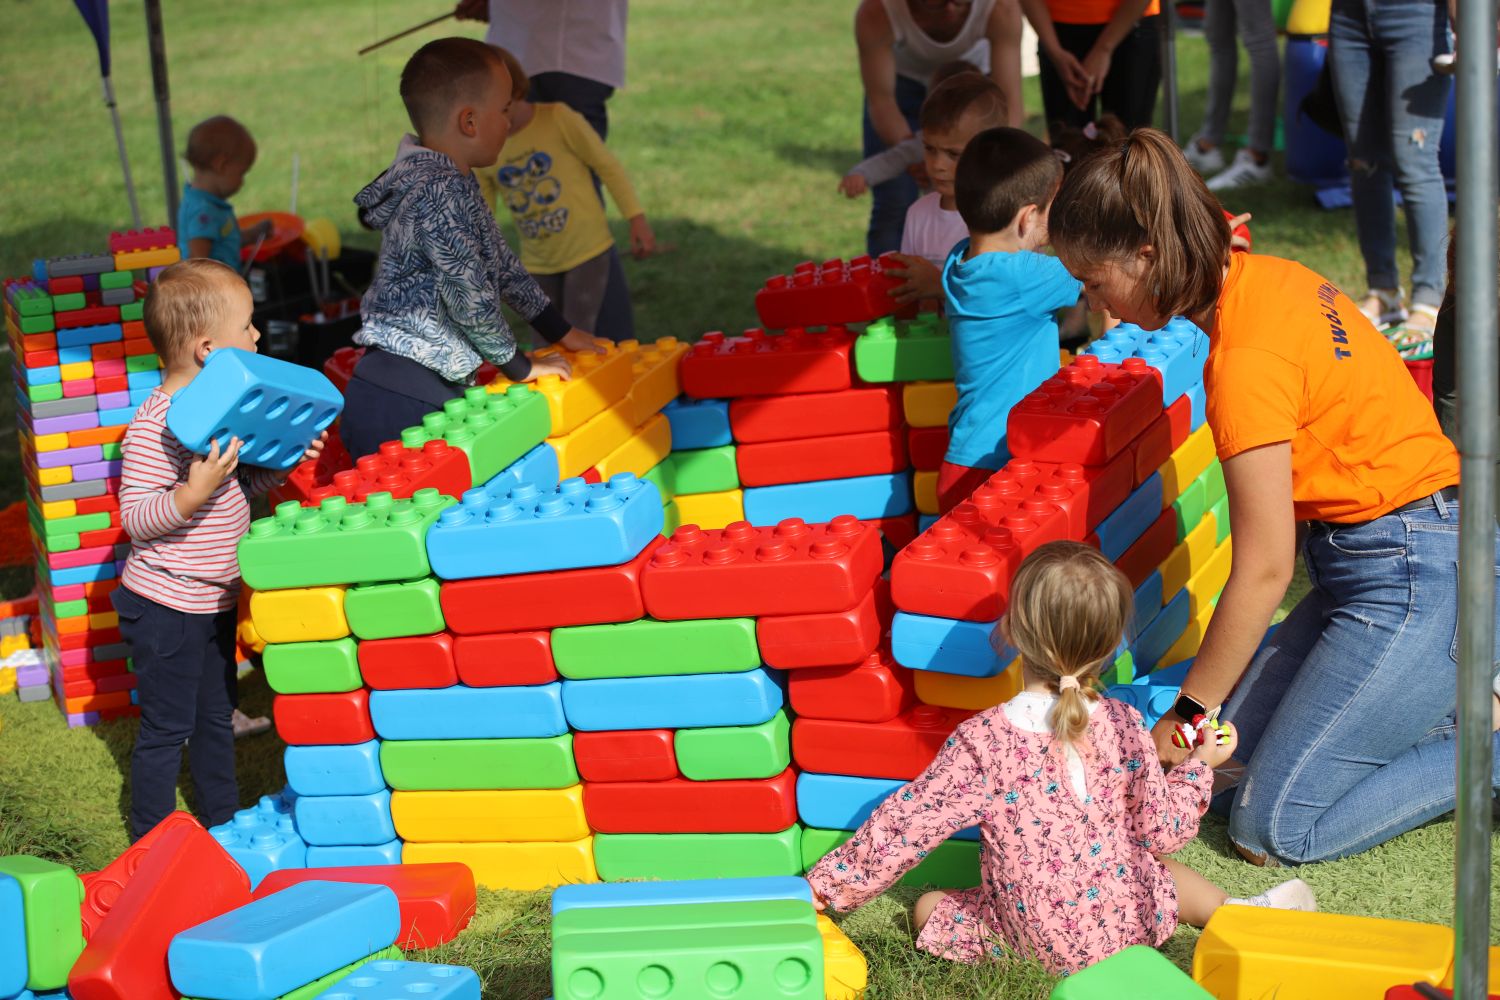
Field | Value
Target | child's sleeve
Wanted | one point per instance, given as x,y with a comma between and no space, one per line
149,476
1164,807
953,794
488,186
1055,287
586,144
890,163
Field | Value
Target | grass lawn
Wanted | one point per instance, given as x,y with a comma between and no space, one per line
739,117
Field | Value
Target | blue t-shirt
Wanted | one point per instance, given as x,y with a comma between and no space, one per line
1004,337
204,216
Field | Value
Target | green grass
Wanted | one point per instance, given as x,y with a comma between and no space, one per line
738,119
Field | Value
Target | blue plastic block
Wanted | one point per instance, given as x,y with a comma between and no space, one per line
79,336
1178,351
143,380
117,417
393,980
45,375
284,940
692,701
274,407
74,355
465,713
1156,638
1148,597
526,530
138,396
866,497
13,964
354,855
1151,700
339,820
1129,521
537,467
1197,407
262,839
945,645
840,802
698,423
1174,674
335,770
704,890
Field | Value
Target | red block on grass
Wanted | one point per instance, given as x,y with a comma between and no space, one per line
682,806
761,364
831,292
339,719
101,889
827,639
419,661
811,459
1086,413
82,687
899,749
927,446
437,900
876,690
505,659
626,755
864,409
148,238
1150,550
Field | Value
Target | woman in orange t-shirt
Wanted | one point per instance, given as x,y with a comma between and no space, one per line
1345,713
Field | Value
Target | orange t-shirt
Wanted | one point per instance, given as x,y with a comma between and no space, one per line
1292,359
1090,11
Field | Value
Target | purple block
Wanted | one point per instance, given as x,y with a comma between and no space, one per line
83,718
60,425
91,282
69,456
30,675
113,400
97,470
152,272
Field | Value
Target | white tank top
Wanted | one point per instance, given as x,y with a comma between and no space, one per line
918,55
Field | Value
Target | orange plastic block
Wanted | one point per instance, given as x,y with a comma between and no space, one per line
653,373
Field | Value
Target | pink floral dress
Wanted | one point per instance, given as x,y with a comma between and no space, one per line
1066,879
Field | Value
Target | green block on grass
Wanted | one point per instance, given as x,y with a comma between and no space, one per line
671,518
1122,671
664,475
1189,508
31,302
621,856
683,916
44,393
318,986
649,648
312,667
953,864
339,542
705,470
723,752
1136,971
899,350
51,895
69,301
117,279
112,451
1220,512
449,765
132,311
492,428
387,610
142,363
1213,483
40,323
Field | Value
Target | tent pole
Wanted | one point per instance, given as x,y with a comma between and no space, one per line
158,42
1169,64
1479,400
114,115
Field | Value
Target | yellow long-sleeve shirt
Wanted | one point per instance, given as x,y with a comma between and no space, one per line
543,177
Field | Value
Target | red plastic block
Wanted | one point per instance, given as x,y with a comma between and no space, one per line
927,447
102,888
183,879
102,536
528,601
88,638
421,661
505,659
757,419
1180,418
113,383
144,239
437,900
793,568
1086,493
310,481
1150,550
340,367
829,639
1151,448
678,805
626,755
899,749
70,285
899,531
814,458
324,719
1086,413
99,505
39,359
88,316
591,475
831,292
401,472
83,687
762,364
876,690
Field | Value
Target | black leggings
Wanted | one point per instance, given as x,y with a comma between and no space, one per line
1130,88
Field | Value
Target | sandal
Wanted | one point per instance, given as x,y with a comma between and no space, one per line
246,726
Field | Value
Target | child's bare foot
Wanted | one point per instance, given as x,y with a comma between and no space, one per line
922,912
246,726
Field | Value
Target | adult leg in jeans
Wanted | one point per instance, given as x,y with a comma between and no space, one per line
890,200
1135,75
1257,29
1219,18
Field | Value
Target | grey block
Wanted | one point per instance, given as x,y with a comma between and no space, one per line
64,407
73,491
116,296
40,692
79,264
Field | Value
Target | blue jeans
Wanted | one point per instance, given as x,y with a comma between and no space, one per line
890,200
1393,107
1347,716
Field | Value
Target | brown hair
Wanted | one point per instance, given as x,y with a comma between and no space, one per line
1074,143
961,94
219,136
1140,193
1069,606
185,301
520,83
1001,171
443,74
952,68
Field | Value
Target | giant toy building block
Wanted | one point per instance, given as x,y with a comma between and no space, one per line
494,427
1137,969
833,292
893,350
51,925
758,363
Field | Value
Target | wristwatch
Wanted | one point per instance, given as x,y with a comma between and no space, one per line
1187,709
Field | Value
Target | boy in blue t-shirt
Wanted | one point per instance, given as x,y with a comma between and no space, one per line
1001,297
220,151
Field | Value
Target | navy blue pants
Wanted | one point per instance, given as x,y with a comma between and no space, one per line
388,394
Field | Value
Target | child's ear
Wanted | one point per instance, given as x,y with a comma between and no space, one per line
468,121
202,347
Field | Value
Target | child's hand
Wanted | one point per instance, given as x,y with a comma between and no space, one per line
580,340
818,903
1236,241
1218,748
853,185
642,239
923,280
261,229
205,474
316,447
549,364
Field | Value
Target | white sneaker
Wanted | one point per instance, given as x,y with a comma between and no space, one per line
1292,895
1205,161
1383,307
1243,172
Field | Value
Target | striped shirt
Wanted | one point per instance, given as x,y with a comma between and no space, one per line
184,563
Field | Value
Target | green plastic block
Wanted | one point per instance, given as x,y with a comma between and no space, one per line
40,323
73,525
117,279
953,864
312,667
142,363
51,895
649,648
620,856
69,301
132,311
1213,483
454,765
341,542
671,518
898,350
724,752
492,428
1220,512
1136,971
44,393
112,451
61,543
317,986
31,302
1122,671
387,610
1189,508
683,916
70,609
664,475
705,470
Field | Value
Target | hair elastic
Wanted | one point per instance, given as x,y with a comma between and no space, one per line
1066,683
1091,131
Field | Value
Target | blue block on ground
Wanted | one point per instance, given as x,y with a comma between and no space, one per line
866,497
465,713
335,770
527,530
705,890
398,980
284,940
698,423
840,802
538,467
1153,641
945,645
274,407
336,820
1129,521
354,855
1147,602
13,964
262,839
691,701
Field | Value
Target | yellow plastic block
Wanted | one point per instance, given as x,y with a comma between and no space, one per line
643,452
76,371
970,693
521,815
7,680
1250,952
599,382
55,476
1188,642
671,518
580,449
136,260
711,510
1190,556
1208,581
654,381
924,490
59,508
1309,17
51,442
927,404
103,619
845,973
306,614
1186,464
1494,983
516,867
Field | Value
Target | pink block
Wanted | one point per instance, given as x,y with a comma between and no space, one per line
82,557
78,387
111,366
70,592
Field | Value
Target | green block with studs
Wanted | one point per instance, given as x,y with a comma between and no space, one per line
51,895
388,610
69,301
705,470
31,302
953,864
664,475
649,648
313,667
463,765
492,428
900,350
621,856
719,753
44,393
142,363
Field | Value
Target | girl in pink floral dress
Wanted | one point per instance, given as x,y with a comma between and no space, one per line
1075,813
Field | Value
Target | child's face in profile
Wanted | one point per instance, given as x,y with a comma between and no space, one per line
234,327
941,149
230,172
492,119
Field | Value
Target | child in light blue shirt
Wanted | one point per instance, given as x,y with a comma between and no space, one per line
221,151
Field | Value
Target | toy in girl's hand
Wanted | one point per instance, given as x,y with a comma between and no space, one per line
1203,728
1239,230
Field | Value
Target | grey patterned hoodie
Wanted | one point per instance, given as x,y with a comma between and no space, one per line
443,271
